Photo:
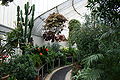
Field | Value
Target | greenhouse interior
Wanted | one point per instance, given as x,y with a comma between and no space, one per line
60,40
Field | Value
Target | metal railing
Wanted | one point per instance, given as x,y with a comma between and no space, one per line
48,67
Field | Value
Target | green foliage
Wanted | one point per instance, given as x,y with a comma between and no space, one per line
36,60
6,49
74,26
22,34
88,74
14,37
107,64
86,36
54,55
99,48
54,51
55,47
12,78
22,68
92,59
68,51
41,54
107,10
4,70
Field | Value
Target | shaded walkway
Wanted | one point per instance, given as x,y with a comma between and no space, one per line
60,74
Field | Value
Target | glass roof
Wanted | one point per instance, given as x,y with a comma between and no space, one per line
4,29
71,9
8,13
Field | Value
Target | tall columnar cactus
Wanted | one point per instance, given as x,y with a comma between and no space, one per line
26,18
31,23
26,23
18,15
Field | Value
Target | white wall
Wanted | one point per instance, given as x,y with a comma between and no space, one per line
38,40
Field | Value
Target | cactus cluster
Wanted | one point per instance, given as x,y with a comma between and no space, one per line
26,23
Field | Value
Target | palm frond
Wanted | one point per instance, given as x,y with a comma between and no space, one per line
89,74
107,34
93,58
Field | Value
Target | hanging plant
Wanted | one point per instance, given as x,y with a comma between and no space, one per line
53,37
60,38
49,35
53,27
5,2
55,20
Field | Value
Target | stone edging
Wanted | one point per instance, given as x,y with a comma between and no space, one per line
68,75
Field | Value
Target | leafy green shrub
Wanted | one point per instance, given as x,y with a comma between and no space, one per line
74,26
36,60
86,38
4,69
98,47
14,36
55,47
12,78
106,10
100,53
22,68
101,67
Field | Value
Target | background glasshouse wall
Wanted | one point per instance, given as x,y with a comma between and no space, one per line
8,13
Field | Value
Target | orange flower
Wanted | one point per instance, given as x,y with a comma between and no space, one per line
47,50
41,54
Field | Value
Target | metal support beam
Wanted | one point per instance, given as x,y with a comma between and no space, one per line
74,8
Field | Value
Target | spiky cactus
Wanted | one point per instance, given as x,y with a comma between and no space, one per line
25,23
